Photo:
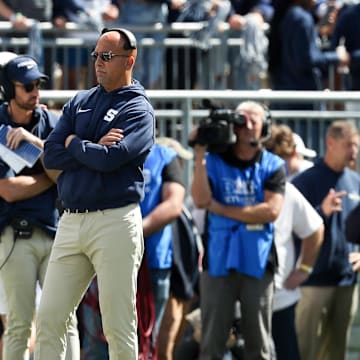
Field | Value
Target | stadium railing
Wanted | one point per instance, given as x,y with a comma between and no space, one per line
179,111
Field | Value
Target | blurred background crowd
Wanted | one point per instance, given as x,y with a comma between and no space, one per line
187,44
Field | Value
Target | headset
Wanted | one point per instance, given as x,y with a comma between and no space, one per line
6,87
130,37
266,128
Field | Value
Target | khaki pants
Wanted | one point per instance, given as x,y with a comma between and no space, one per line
110,244
323,320
25,266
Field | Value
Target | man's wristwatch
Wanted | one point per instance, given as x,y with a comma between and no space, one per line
305,268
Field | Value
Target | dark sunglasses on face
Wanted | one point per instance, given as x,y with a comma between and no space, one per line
30,86
105,56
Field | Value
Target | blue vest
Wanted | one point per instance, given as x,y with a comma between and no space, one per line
158,246
233,245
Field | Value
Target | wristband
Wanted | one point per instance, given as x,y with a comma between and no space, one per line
306,268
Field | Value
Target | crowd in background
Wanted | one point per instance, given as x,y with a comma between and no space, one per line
313,249
272,34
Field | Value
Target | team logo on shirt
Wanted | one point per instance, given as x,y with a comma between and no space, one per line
110,115
238,191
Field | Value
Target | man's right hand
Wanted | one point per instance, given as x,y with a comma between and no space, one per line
21,22
332,202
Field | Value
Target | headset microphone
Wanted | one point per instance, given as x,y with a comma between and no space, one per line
254,143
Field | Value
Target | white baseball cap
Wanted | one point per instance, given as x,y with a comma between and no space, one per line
301,148
170,142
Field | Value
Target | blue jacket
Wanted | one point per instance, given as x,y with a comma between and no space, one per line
234,245
40,210
332,267
96,176
302,60
347,27
158,246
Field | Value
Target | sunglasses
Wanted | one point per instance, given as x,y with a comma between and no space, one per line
30,86
105,56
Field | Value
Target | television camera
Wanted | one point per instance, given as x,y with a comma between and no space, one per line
217,130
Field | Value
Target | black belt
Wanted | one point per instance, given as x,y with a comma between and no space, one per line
78,211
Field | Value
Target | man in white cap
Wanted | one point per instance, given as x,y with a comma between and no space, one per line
299,161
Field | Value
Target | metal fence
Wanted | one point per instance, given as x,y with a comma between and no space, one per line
188,66
178,111
65,55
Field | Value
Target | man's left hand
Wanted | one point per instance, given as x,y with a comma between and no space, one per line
69,139
295,279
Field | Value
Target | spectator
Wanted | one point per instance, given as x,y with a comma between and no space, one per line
212,12
248,62
90,16
28,217
25,16
210,16
100,144
183,60
147,13
292,28
292,149
242,188
329,297
302,155
346,28
23,12
297,218
326,12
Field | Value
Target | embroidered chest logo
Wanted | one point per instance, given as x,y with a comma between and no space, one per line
238,191
110,115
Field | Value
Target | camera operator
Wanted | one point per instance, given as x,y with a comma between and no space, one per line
242,189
